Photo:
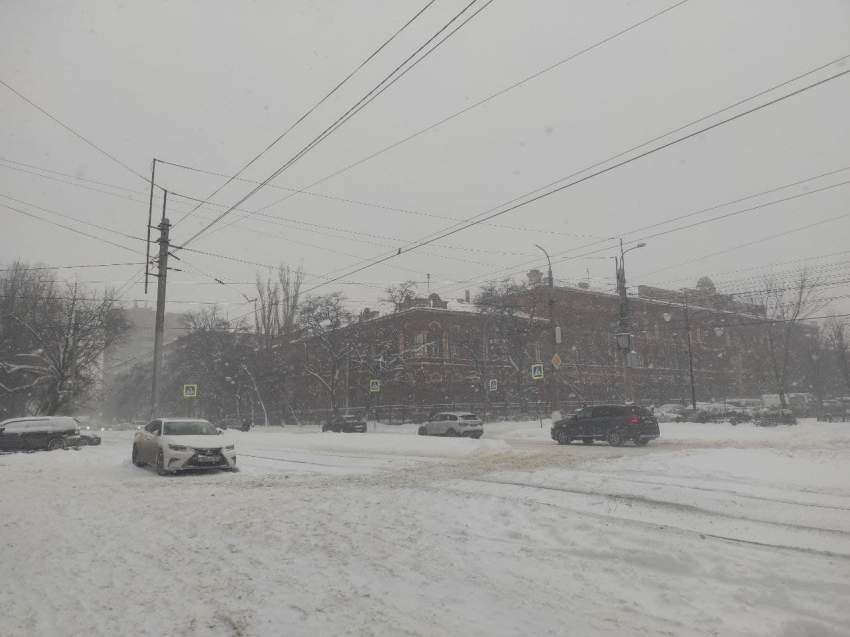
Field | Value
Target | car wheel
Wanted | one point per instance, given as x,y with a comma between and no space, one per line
56,443
423,431
135,457
476,436
564,438
587,441
615,438
642,442
324,428
83,443
160,464
451,433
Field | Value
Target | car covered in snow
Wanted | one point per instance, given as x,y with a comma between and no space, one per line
345,424
39,432
180,444
453,424
617,424
89,438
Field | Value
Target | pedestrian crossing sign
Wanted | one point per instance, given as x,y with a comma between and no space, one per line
190,391
374,386
537,371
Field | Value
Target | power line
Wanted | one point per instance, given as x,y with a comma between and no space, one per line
73,132
359,107
489,215
481,102
305,115
293,224
258,213
85,234
70,267
320,137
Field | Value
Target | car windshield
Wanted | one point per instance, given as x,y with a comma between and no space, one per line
189,428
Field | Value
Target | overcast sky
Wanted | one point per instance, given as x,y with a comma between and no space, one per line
210,84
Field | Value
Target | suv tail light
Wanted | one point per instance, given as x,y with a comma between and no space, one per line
76,432
634,420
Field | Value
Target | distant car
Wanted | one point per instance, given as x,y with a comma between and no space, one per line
345,424
663,416
89,438
39,432
452,424
616,424
179,444
673,408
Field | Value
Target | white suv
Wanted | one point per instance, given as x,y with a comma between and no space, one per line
453,423
179,444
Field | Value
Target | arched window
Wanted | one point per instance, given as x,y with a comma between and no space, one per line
435,340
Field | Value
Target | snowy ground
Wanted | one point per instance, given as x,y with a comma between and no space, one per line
711,530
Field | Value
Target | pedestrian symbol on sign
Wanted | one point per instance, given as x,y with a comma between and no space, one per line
190,391
374,386
494,384
537,371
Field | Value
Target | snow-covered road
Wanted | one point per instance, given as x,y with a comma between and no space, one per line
712,530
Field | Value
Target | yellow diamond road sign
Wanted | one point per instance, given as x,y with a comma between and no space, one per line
190,391
556,361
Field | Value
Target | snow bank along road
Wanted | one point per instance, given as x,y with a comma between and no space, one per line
712,530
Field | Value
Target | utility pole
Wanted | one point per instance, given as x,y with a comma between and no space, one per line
690,354
624,339
73,371
556,339
163,228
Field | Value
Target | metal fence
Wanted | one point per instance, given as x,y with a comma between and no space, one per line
402,414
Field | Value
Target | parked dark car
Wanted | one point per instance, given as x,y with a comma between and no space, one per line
617,424
39,432
89,438
345,424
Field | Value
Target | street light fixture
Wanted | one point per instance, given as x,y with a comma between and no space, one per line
624,338
553,383
688,316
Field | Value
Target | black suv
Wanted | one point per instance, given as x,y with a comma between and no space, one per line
615,423
345,424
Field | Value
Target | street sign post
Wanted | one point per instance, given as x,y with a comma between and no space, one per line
190,391
537,371
374,386
494,384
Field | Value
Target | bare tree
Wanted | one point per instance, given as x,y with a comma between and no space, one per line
837,332
276,306
782,305
378,348
52,339
324,319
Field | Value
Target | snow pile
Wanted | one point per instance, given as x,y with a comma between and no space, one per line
370,443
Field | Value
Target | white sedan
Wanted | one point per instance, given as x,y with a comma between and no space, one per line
179,444
453,423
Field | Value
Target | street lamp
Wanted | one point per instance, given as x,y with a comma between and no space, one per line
556,339
624,341
688,316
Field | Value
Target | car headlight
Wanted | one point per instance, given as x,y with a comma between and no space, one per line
230,447
178,448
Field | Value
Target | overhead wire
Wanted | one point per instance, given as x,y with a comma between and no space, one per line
73,132
477,219
480,102
313,108
323,135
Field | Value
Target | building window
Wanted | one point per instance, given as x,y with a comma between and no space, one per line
420,339
435,340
